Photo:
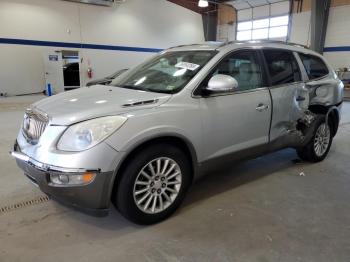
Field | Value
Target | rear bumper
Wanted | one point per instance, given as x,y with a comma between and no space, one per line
92,198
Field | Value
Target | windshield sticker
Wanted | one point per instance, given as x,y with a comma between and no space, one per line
186,65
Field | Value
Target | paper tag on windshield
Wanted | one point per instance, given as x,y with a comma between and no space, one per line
186,65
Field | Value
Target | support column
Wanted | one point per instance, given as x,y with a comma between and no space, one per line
319,22
210,21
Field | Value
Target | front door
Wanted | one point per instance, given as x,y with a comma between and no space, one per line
240,120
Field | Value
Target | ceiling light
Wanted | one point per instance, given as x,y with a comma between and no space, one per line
203,3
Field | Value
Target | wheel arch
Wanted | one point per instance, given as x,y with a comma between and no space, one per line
172,139
332,114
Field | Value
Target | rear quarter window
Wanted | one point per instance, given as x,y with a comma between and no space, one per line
314,66
282,66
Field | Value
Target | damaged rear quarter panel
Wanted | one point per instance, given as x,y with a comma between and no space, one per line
292,121
327,91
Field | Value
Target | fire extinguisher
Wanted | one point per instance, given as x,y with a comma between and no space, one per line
89,72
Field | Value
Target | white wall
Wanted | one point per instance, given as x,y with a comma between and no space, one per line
338,35
300,28
137,23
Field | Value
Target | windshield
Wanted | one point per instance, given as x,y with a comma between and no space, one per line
165,73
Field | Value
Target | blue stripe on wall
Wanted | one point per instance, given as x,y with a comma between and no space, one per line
12,41
337,49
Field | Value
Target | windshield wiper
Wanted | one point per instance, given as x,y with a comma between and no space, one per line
133,87
163,91
155,90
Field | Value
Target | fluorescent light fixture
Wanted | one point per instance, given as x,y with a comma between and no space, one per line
203,3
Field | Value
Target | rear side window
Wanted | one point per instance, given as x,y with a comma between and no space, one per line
282,67
314,66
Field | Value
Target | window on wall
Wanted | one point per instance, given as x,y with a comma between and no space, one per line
268,28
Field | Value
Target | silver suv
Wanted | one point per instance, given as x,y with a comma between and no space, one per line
142,140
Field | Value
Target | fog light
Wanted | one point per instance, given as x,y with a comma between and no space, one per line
73,179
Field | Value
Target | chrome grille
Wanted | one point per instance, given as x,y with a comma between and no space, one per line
34,125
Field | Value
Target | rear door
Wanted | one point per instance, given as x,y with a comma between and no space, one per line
288,92
236,121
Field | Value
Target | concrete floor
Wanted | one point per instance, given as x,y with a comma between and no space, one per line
260,210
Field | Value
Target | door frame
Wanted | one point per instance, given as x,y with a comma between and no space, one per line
54,79
67,88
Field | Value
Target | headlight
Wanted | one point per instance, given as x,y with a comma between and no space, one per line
89,133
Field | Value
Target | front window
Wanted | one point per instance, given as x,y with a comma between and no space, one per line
166,73
244,67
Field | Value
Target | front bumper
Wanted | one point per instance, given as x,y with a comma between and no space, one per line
92,198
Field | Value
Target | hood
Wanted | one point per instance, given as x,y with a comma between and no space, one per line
95,101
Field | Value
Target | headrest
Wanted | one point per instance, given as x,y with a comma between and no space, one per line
245,71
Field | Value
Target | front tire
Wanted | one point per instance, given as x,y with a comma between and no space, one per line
153,184
318,147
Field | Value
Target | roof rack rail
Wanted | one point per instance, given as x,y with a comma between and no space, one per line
266,41
181,46
203,43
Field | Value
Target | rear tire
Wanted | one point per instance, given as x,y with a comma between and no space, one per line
318,147
153,184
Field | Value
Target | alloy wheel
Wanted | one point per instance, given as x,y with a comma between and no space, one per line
322,139
157,185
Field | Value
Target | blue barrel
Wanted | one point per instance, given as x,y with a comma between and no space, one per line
48,90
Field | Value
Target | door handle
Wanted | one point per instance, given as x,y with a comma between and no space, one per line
262,107
300,98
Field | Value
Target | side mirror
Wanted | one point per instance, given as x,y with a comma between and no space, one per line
222,84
